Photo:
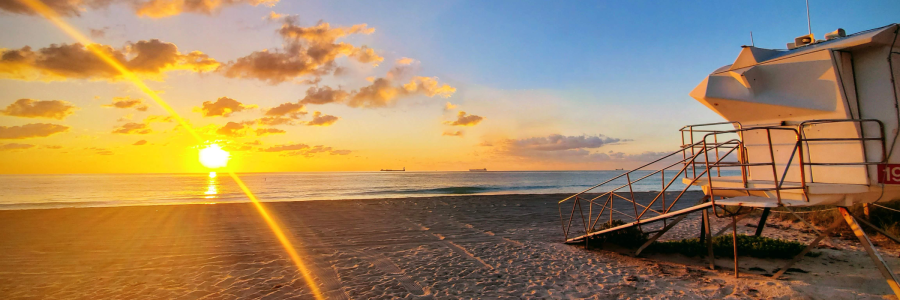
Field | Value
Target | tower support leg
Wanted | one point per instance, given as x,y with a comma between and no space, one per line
837,223
762,221
709,245
882,266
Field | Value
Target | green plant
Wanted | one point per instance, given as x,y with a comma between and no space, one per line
753,246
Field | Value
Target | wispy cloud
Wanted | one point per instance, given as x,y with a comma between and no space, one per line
128,102
320,119
49,109
465,120
144,8
150,59
222,107
31,131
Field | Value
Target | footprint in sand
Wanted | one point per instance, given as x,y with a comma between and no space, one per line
387,266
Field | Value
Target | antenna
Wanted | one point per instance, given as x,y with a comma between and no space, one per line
751,40
808,23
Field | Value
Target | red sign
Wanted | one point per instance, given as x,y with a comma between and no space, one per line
889,174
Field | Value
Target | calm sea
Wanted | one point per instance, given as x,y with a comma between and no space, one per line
92,190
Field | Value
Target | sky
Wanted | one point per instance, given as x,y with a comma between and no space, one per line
289,85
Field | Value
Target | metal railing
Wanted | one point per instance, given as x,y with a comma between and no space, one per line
709,155
590,222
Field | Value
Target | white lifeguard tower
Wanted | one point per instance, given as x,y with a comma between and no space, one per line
814,125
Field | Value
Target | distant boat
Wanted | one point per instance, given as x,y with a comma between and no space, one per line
478,170
389,170
620,169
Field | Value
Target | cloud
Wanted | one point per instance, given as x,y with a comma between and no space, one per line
304,150
61,7
234,129
291,109
322,120
289,147
149,59
383,92
144,8
308,51
465,120
458,133
562,148
168,8
133,128
274,121
15,146
223,107
449,106
272,16
53,146
98,33
558,142
128,102
268,131
324,95
161,119
404,61
49,109
139,143
31,131
340,152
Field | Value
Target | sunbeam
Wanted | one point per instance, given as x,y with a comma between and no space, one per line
51,15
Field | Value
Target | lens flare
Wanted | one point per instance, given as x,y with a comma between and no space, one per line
48,13
214,157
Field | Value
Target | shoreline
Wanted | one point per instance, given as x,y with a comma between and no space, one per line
441,247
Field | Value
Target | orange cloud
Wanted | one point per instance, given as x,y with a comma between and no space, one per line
223,107
49,109
451,133
305,150
167,8
324,95
322,120
144,8
149,59
272,16
465,120
161,119
449,106
234,129
31,131
133,128
274,121
127,102
139,143
15,146
308,51
291,109
382,92
268,131
404,61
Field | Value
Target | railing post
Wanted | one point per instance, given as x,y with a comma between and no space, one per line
633,201
774,168
663,192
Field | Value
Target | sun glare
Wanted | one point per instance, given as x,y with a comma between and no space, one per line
214,157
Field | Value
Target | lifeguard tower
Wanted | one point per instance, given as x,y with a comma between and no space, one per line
816,124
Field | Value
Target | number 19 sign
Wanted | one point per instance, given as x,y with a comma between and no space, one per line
889,174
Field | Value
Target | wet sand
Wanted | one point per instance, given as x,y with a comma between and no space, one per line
490,247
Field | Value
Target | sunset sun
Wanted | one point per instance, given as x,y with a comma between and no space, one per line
214,157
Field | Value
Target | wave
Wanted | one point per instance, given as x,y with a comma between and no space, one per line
464,190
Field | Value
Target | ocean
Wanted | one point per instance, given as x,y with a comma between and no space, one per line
100,190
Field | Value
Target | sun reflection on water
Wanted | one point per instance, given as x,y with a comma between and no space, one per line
212,190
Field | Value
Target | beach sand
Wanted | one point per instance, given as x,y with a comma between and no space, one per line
492,247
